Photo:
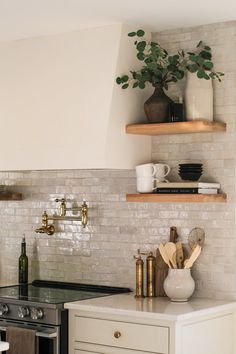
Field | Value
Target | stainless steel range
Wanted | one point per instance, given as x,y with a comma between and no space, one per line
40,306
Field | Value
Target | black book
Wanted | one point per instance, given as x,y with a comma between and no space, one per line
185,191
176,190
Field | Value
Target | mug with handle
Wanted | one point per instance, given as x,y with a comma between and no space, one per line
145,184
146,170
162,170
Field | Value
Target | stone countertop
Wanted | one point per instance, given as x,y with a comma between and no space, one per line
153,308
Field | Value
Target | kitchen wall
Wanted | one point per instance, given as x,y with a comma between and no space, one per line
103,252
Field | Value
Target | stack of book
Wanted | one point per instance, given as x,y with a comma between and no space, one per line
187,188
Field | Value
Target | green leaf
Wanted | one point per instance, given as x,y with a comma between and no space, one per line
179,74
199,60
200,74
124,78
132,34
193,57
140,56
125,86
192,68
206,55
118,80
208,65
135,84
141,85
140,33
141,46
206,77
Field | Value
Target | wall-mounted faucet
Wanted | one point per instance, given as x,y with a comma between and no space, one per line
50,229
45,228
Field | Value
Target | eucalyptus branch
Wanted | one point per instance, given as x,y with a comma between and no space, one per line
161,68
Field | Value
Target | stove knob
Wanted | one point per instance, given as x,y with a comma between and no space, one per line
23,311
36,313
3,309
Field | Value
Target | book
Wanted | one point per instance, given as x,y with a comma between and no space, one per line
186,191
188,185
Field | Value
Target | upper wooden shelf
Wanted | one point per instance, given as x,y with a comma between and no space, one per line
195,126
178,198
10,196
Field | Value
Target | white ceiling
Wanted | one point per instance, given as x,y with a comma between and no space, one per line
29,18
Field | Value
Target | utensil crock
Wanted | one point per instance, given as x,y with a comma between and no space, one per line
179,285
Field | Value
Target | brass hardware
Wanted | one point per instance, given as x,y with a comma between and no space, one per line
50,229
62,206
84,214
45,228
117,334
139,293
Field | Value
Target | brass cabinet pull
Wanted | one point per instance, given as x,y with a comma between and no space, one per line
117,334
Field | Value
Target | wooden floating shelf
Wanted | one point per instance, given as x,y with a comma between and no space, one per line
195,126
10,196
177,198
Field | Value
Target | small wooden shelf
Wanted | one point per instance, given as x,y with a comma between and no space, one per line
196,126
10,196
178,198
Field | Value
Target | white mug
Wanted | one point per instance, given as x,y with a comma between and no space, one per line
162,170
146,170
145,184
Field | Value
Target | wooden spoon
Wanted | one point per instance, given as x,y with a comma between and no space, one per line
193,257
164,255
170,249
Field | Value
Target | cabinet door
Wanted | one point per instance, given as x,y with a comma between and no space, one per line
214,336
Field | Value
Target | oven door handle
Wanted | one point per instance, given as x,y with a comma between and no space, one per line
45,333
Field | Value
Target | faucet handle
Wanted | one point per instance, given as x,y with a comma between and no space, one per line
62,200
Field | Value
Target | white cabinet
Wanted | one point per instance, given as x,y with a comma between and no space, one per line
154,326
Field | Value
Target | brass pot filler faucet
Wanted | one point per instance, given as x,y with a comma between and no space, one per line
49,229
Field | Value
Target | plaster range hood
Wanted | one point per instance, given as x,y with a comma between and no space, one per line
60,106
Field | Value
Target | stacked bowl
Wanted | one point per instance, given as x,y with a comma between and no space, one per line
190,171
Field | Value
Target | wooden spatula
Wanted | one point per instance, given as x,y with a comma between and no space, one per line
170,250
196,252
164,255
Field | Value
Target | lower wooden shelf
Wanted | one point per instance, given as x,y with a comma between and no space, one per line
177,198
10,196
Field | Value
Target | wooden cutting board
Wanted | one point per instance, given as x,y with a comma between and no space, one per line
161,274
162,267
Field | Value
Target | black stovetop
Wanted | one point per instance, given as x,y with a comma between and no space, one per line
51,292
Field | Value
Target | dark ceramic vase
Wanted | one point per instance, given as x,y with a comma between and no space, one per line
158,107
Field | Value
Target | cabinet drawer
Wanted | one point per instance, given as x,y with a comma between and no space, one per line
121,334
89,348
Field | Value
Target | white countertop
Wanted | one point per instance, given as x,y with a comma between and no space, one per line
4,346
161,308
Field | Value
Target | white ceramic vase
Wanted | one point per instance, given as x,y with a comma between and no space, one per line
179,285
198,98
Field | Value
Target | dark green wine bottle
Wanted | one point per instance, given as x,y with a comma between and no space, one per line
23,264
